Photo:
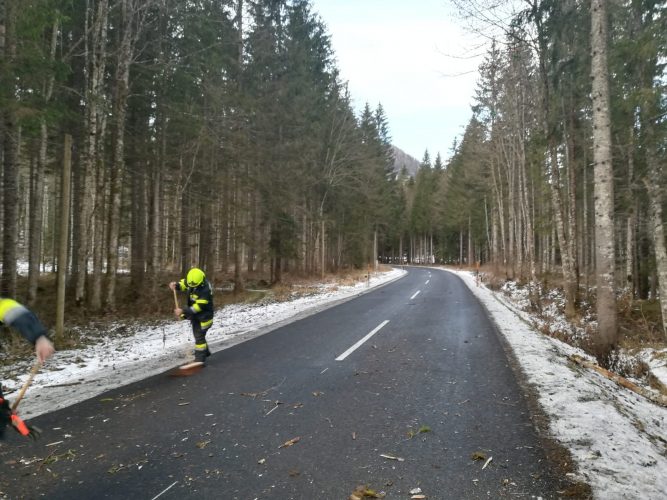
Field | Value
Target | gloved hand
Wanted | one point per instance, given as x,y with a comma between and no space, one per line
9,417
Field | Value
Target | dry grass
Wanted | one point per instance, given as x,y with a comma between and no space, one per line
639,323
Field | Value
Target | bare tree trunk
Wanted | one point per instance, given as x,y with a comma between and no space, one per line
139,226
323,242
11,158
128,15
375,249
64,233
253,231
156,217
586,250
95,69
237,239
239,285
154,231
555,185
525,207
567,259
185,223
572,250
604,185
653,183
205,260
37,195
3,88
499,245
99,211
511,210
631,233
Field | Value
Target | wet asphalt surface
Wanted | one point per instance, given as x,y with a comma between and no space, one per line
426,402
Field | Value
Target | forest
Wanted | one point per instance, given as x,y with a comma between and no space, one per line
141,137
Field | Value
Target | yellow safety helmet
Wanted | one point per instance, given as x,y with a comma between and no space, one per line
195,277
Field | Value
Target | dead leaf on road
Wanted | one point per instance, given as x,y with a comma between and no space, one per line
421,430
289,443
361,492
203,444
252,394
478,455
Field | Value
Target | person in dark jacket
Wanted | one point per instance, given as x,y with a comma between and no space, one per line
199,309
24,321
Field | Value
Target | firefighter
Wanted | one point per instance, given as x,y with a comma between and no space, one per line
26,323
199,309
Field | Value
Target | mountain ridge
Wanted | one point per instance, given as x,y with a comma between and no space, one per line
403,159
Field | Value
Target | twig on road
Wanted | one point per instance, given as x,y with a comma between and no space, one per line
265,392
165,490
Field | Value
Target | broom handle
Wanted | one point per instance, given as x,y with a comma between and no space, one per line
33,372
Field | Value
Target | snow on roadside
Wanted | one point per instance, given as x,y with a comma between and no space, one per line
617,438
75,375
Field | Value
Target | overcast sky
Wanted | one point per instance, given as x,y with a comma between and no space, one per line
402,54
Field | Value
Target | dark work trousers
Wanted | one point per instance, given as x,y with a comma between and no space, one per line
199,335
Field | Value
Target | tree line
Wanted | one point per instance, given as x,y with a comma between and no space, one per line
561,170
215,133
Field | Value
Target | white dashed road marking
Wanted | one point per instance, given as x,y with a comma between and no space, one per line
358,344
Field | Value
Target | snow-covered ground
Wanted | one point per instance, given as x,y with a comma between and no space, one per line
75,375
618,438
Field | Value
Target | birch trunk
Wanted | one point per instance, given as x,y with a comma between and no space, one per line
498,194
572,249
604,185
37,204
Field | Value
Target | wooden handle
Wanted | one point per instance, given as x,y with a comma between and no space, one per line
175,299
33,372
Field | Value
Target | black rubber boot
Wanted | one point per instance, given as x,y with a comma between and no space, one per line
200,356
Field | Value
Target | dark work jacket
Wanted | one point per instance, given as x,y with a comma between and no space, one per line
21,319
200,303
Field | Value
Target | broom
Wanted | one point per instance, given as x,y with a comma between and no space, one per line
188,368
17,422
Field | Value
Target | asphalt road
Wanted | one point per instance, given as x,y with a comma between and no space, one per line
430,389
